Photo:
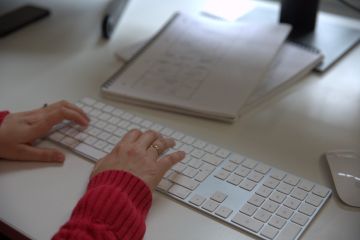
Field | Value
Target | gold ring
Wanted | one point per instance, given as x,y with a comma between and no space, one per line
156,147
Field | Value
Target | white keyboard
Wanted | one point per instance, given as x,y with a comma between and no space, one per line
243,192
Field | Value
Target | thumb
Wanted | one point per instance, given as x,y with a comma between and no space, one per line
29,153
166,162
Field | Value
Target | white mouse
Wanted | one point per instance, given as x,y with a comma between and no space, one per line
345,170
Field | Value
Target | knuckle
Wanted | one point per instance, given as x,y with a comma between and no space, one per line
133,151
63,103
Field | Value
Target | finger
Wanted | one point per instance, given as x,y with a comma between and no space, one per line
166,162
146,139
161,144
68,105
131,136
50,119
29,153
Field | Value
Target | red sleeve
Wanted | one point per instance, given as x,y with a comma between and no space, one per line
3,114
114,206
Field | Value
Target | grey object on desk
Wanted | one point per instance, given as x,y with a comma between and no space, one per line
345,170
112,16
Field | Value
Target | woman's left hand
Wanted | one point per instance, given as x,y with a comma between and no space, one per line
19,130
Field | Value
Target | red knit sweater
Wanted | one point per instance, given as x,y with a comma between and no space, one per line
114,206
3,114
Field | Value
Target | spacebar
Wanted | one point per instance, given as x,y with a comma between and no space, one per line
89,151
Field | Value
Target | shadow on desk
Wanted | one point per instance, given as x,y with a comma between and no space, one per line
16,166
8,233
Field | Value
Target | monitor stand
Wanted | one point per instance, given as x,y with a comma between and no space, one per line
330,39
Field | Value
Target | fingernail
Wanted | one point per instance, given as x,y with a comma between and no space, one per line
182,154
59,157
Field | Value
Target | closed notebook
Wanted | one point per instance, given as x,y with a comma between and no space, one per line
291,65
199,66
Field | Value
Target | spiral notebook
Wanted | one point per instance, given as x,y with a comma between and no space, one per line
199,66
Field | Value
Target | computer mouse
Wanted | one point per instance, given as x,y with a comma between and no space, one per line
345,170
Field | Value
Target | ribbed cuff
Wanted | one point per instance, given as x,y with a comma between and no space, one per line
137,191
117,199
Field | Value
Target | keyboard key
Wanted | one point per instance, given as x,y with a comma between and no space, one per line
210,148
164,184
202,175
249,163
90,151
256,200
248,209
199,144
197,153
307,209
222,174
234,179
262,215
270,206
247,184
99,105
269,232
190,172
289,232
262,168
247,222
167,132
284,188
299,194
277,222
197,200
223,212
210,205
223,153
291,179
179,167
219,196
306,185
255,176
300,219
236,158
56,136
242,171
177,136
277,197
277,174
284,212
179,191
264,191
183,181
212,159
320,191
292,203
313,200
271,182
188,140
229,166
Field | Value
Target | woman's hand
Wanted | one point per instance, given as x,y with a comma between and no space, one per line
141,154
19,130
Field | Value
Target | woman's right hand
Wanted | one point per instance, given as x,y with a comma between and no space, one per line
142,155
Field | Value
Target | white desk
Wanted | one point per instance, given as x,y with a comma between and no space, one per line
63,58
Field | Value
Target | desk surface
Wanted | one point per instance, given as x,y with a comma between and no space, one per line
63,58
